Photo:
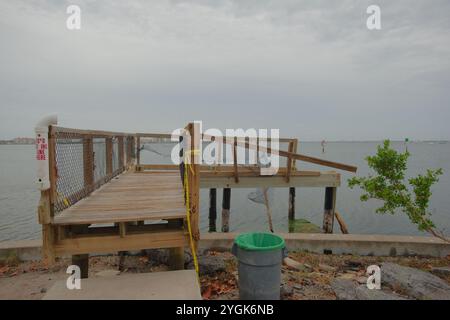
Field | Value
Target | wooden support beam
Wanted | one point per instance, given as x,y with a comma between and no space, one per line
82,261
109,156
295,150
322,180
88,163
226,204
53,171
121,153
329,210
113,243
235,163
194,179
291,207
212,210
138,150
122,229
176,258
341,222
289,162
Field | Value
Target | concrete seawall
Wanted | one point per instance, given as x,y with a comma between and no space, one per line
376,245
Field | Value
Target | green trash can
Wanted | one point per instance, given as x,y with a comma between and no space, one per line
260,256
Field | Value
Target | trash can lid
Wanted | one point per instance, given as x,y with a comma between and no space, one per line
259,241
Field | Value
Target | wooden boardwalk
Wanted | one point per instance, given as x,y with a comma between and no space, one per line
98,197
130,197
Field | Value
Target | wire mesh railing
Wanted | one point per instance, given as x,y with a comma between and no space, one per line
85,160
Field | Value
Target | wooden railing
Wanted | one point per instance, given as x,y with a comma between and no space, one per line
80,161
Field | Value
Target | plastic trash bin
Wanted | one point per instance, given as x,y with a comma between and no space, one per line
260,256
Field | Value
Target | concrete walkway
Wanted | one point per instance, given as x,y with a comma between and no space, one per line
170,285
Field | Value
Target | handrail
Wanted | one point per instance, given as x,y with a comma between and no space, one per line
291,155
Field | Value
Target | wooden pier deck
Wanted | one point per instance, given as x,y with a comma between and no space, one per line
98,197
130,197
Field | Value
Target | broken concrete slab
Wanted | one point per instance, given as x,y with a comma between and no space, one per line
351,290
415,283
441,271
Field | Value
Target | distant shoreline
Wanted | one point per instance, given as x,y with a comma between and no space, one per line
15,143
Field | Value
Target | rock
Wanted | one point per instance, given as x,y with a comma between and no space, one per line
107,273
327,268
441,271
415,283
43,290
291,263
209,265
351,290
157,256
162,256
286,290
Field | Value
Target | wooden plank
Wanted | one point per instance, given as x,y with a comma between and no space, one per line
94,133
301,157
114,243
326,179
94,217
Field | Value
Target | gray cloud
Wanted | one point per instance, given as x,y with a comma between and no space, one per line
310,68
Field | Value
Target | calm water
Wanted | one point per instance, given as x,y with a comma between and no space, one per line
19,197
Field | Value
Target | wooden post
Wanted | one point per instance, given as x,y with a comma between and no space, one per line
138,151
46,204
295,150
176,258
109,156
212,210
226,201
289,162
194,180
330,205
291,208
235,163
88,163
82,261
121,151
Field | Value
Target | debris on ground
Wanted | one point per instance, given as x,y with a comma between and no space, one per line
305,276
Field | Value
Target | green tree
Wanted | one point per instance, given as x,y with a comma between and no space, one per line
389,185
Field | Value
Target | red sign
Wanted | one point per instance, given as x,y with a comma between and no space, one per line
41,147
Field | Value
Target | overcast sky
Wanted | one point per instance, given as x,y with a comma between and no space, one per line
310,68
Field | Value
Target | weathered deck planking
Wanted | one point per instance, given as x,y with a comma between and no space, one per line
127,198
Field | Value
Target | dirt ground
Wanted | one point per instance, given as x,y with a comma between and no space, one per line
31,280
